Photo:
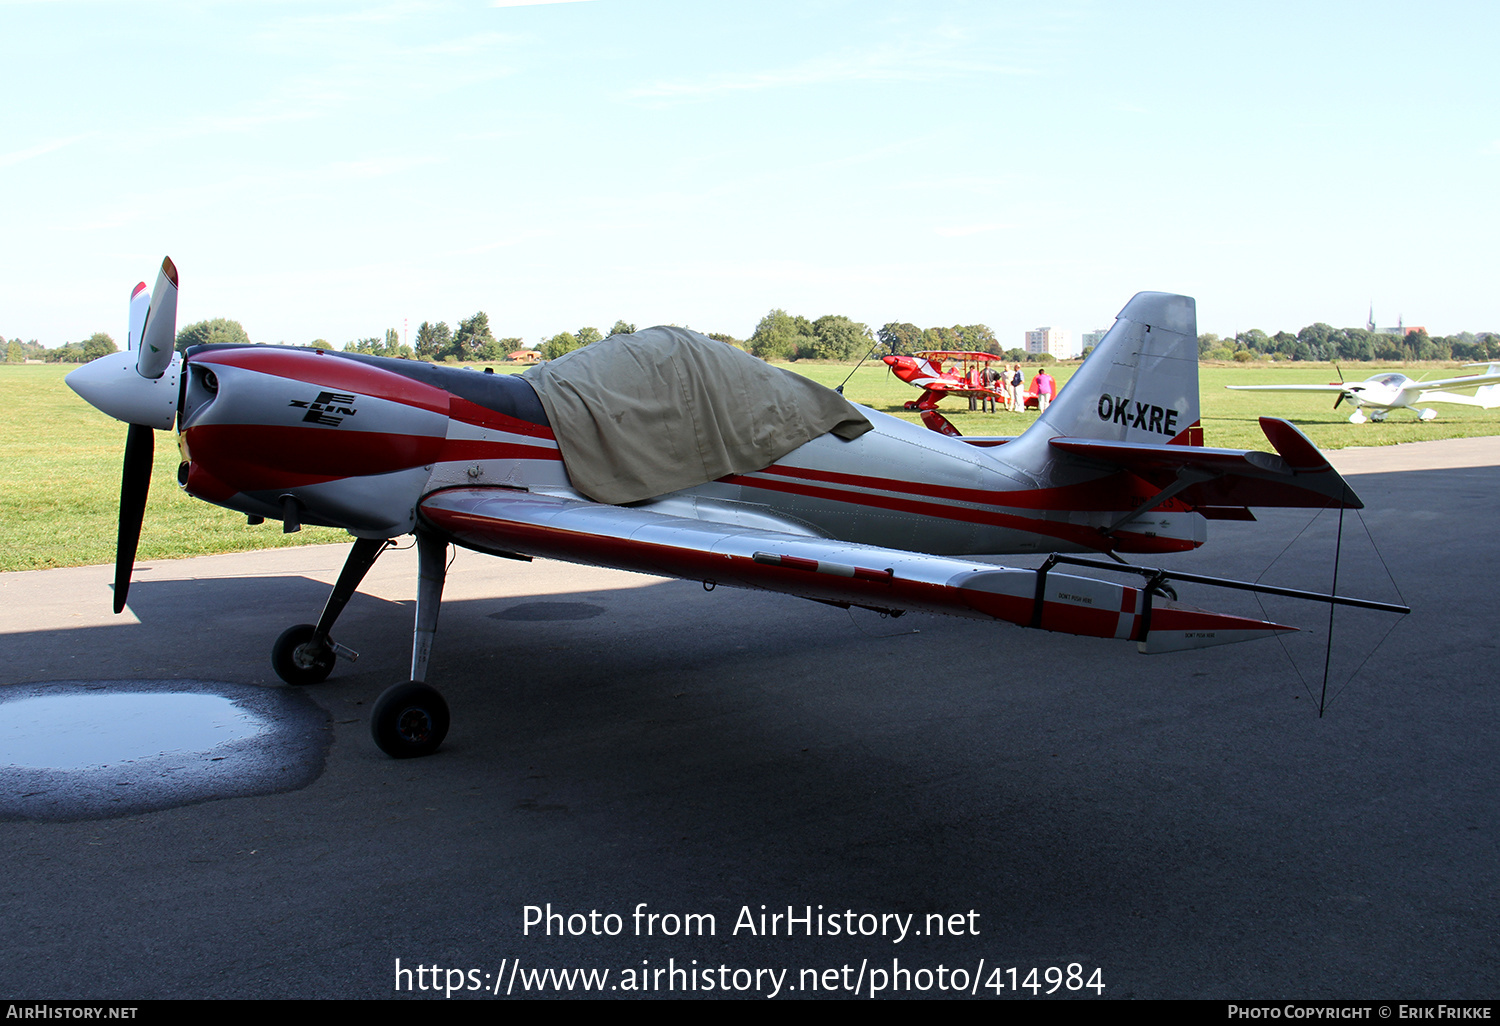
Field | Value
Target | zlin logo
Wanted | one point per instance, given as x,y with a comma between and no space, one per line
1116,408
325,409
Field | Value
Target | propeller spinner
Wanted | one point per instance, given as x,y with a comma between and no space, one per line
139,387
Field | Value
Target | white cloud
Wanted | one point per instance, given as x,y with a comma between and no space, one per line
40,149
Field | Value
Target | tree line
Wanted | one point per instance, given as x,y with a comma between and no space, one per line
905,338
1319,342
96,345
783,336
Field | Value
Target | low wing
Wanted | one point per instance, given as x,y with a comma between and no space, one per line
963,388
1463,382
509,522
1298,476
1353,386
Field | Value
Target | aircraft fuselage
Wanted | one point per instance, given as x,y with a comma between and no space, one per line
357,442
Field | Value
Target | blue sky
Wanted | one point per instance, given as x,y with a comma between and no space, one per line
329,170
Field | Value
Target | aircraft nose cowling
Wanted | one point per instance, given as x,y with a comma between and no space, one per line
112,386
303,437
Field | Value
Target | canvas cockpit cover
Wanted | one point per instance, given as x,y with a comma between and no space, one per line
637,416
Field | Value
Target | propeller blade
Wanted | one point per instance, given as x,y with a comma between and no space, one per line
159,337
137,386
135,483
1338,400
140,304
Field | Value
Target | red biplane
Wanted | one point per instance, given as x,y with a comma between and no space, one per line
967,374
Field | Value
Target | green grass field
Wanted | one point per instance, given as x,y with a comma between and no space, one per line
60,485
60,476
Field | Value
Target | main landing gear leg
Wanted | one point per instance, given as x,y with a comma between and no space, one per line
412,719
305,654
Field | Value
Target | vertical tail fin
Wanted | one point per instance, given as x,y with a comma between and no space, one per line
1140,384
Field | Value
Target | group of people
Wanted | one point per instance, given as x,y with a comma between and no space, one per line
1009,386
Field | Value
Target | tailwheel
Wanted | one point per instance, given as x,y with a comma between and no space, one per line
409,720
297,660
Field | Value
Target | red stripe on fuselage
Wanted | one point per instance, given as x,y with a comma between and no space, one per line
1086,536
456,449
1083,535
1114,491
482,416
327,371
253,457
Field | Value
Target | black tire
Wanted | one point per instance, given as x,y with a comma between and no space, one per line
294,663
409,720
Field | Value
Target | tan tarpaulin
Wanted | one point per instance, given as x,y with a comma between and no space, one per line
637,416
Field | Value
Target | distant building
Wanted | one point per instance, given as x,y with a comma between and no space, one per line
1400,330
1093,338
524,356
1049,340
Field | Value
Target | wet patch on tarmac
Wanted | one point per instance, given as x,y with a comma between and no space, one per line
549,611
72,750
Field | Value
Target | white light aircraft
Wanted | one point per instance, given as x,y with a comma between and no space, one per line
1386,392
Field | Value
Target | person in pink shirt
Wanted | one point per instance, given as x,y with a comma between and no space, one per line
1044,386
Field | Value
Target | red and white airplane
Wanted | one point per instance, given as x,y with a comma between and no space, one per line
889,521
968,374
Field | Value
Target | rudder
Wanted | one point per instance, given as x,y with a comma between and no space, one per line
1140,384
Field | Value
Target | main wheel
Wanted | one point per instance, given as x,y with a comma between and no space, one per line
409,720
296,661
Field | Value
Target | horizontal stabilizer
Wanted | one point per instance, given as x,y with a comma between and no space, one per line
935,421
1297,476
1486,398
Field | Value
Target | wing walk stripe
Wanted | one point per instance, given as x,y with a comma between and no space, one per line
819,566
